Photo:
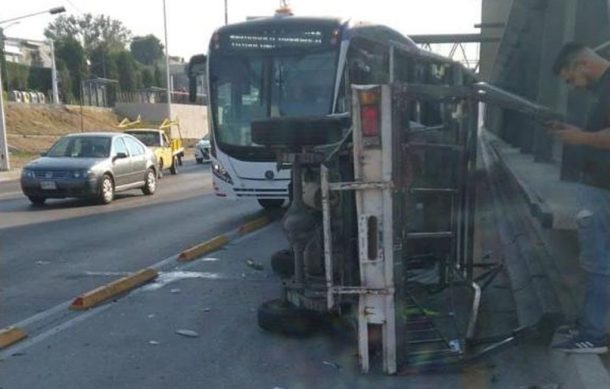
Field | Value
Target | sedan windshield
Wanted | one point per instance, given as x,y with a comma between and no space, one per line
150,139
81,147
251,87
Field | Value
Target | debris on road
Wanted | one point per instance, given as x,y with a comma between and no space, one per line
206,309
332,364
188,333
254,265
154,342
175,291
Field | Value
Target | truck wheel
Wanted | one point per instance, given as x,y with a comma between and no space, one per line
284,318
271,203
282,263
180,160
174,168
161,168
150,186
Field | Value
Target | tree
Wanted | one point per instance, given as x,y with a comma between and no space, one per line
65,81
147,49
92,30
148,77
128,71
70,52
159,77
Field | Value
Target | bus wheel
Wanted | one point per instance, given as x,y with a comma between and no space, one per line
282,317
271,203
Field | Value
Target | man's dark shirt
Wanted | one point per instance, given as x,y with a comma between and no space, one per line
596,163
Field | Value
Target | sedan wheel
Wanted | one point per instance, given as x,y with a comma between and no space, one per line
151,183
37,200
106,194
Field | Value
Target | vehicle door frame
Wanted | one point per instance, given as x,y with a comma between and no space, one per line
121,167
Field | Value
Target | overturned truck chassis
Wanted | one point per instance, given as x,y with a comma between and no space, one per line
383,206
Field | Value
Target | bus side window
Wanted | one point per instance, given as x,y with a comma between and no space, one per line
368,63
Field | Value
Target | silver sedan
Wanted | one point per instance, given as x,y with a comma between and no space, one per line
90,165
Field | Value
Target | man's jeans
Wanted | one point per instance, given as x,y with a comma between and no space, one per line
593,221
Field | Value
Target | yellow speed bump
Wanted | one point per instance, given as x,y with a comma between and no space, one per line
254,225
11,335
113,289
203,248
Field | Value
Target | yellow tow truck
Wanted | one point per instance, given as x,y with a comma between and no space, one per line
169,151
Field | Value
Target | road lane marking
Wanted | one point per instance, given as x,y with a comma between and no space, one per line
9,194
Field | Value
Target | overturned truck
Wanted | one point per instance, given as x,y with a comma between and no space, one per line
382,216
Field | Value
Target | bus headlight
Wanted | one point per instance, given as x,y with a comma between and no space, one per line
219,171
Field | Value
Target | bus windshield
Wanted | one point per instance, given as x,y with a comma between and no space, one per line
250,87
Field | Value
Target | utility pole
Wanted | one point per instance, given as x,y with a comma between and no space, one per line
226,12
54,74
167,73
4,157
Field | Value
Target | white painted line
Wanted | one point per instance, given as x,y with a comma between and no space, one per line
9,194
84,315
53,331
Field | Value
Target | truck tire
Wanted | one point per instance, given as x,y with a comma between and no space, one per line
284,318
174,168
282,263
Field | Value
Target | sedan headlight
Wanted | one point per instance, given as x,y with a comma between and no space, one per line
219,171
27,173
82,174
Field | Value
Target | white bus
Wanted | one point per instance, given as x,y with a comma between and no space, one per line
287,66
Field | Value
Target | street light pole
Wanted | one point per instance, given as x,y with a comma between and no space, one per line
4,156
167,73
226,13
54,74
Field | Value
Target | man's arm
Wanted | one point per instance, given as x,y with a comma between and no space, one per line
575,136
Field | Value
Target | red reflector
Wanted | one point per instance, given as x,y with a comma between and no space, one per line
369,116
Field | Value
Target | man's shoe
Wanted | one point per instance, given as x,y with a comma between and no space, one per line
567,331
581,345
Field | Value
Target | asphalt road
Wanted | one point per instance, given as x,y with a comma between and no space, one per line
50,255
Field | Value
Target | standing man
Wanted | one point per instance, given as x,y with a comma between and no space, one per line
582,68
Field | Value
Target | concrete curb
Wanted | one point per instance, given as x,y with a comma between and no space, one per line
221,240
10,336
106,292
203,248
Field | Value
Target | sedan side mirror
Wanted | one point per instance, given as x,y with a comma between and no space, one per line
119,156
43,154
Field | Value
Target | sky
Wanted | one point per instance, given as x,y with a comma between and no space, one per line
190,23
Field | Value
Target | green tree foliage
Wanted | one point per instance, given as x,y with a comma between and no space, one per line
159,77
65,82
146,49
71,54
92,30
148,77
128,71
